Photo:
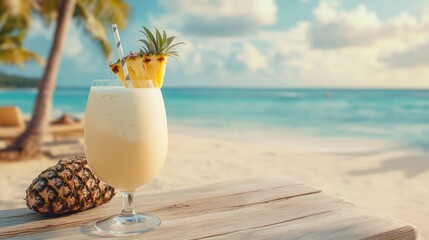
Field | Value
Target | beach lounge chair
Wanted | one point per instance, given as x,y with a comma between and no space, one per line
11,123
65,127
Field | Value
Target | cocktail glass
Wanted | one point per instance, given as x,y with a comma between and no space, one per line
126,146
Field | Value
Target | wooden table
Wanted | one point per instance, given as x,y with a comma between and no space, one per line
242,209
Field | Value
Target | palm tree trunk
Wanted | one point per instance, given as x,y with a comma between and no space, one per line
29,143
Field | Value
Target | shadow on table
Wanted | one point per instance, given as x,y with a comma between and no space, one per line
89,230
16,217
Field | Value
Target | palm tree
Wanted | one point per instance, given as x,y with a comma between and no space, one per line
14,22
94,15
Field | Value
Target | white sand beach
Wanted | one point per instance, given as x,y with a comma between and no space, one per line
378,175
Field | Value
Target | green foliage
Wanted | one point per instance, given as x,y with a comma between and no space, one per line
11,81
159,44
15,18
18,56
98,15
16,15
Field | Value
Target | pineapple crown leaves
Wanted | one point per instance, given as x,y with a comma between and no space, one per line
157,44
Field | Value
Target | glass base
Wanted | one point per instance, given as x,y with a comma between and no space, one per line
135,224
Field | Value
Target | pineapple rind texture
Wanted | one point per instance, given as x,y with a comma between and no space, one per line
68,186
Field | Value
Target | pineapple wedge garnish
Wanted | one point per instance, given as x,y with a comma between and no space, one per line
142,67
150,62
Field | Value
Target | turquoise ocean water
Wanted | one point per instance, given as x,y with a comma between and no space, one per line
398,115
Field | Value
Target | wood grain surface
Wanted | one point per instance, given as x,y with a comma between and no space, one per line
241,209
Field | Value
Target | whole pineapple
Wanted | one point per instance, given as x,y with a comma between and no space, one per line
150,62
69,186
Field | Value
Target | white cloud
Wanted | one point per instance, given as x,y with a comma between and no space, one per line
341,48
326,12
221,17
355,48
39,29
335,27
331,12
263,11
73,48
73,45
415,56
252,58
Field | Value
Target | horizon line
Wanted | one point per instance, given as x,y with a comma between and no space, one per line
60,87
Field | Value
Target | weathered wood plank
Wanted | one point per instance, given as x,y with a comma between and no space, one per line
226,220
24,221
243,209
342,223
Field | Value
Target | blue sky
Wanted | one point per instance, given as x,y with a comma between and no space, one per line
264,43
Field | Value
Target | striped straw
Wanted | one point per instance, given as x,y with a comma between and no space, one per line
121,55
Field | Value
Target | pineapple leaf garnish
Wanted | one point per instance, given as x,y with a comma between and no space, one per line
158,44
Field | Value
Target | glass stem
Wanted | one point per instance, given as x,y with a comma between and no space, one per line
127,205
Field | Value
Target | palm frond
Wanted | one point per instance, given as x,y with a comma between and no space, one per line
97,16
15,18
47,9
19,56
110,11
15,13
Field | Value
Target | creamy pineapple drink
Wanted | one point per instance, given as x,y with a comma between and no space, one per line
126,127
125,134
